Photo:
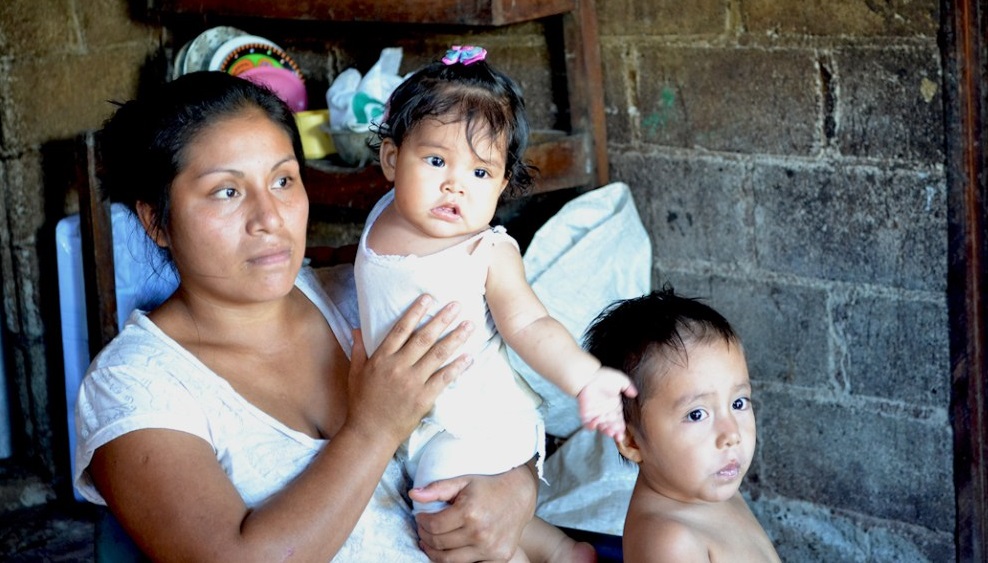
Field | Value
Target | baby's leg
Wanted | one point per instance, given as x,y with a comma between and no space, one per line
446,456
545,543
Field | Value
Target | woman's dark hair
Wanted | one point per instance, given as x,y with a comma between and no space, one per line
639,335
477,93
142,147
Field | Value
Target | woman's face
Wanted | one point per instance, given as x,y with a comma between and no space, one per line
239,211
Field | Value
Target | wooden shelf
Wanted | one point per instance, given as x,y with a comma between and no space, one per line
453,12
560,158
576,158
565,159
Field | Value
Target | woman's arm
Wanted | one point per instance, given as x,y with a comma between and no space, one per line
169,492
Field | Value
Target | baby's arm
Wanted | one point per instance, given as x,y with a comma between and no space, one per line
546,345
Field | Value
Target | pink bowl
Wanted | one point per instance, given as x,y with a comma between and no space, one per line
283,82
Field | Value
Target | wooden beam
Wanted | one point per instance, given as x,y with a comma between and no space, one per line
559,157
458,12
966,111
96,235
585,83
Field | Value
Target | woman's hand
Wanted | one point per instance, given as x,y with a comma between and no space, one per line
392,390
484,520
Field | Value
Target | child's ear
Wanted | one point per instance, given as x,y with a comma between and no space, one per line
388,155
504,184
628,447
146,216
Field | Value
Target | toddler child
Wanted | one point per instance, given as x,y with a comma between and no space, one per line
691,430
452,140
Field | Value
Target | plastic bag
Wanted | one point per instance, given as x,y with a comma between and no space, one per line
356,101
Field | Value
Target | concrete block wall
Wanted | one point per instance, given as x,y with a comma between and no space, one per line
786,158
60,61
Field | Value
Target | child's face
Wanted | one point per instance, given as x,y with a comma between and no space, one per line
442,186
698,427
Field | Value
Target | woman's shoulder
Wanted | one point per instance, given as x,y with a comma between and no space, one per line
141,341
141,380
143,362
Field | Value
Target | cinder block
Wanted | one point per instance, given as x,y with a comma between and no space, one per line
783,327
8,287
806,532
857,457
891,104
38,27
695,209
24,199
736,100
28,275
529,67
840,18
895,348
524,58
110,22
661,17
621,117
853,224
57,98
38,399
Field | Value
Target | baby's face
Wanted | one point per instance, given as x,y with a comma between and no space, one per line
443,187
698,427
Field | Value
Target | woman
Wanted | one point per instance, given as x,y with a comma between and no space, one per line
230,422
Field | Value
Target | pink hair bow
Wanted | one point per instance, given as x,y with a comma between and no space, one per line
465,54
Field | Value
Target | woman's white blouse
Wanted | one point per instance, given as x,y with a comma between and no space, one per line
144,379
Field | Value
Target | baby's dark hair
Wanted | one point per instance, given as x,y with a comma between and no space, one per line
142,147
635,335
478,94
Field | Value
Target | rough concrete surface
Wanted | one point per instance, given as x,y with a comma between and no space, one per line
50,533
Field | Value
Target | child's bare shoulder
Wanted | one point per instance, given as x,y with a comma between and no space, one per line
655,537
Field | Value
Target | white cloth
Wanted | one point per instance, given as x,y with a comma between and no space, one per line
488,403
593,252
144,379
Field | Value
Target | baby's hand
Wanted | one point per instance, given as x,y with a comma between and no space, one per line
600,402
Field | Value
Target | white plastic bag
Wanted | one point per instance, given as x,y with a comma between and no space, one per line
356,101
593,252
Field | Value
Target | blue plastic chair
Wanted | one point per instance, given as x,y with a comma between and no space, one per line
141,280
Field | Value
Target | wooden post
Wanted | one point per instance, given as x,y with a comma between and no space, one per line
97,254
586,84
966,110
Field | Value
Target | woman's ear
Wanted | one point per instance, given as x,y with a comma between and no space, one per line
388,155
146,216
628,446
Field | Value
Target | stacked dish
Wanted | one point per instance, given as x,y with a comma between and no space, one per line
231,50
